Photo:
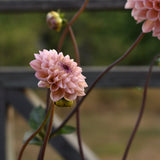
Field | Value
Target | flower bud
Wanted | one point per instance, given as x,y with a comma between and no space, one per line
63,103
54,20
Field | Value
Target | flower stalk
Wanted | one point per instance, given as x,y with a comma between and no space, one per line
141,112
34,134
98,78
43,148
77,57
70,23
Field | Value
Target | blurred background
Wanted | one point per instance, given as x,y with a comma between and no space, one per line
108,115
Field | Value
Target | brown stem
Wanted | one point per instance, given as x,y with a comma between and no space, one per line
79,133
141,109
98,78
76,50
42,153
33,135
47,99
77,56
70,23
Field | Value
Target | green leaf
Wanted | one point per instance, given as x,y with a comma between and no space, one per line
66,130
36,140
36,117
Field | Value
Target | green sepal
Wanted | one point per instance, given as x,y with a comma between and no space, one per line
64,103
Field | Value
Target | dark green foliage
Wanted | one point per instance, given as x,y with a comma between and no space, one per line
66,130
102,37
36,117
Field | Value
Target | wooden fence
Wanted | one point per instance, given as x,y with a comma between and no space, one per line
46,5
14,81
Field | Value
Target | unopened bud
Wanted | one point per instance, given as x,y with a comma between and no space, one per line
54,20
63,103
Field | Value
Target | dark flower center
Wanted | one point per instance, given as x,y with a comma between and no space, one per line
65,67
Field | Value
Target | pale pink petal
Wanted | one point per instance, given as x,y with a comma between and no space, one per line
139,5
147,26
147,11
41,76
70,97
157,26
140,13
60,74
35,64
43,84
152,15
57,95
156,5
129,5
54,87
148,4
37,56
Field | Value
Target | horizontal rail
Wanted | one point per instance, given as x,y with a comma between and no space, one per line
118,77
47,5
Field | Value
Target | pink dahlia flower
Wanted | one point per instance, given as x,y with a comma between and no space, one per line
147,11
60,74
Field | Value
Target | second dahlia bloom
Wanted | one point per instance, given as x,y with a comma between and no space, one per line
59,73
147,11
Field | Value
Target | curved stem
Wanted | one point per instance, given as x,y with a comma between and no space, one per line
141,109
98,78
34,134
76,50
79,133
42,153
77,57
47,99
70,23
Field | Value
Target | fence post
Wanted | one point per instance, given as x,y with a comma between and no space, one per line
2,123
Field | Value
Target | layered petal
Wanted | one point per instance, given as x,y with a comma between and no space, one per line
59,73
147,11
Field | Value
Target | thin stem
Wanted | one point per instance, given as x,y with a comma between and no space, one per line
77,56
34,134
70,23
47,99
79,133
141,109
98,78
42,153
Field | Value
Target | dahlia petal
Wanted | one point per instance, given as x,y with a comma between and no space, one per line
57,95
147,26
41,76
70,97
159,37
50,79
156,5
60,74
43,84
71,85
129,5
152,15
140,13
148,4
54,87
147,11
157,26
69,90
37,56
81,93
139,5
35,64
